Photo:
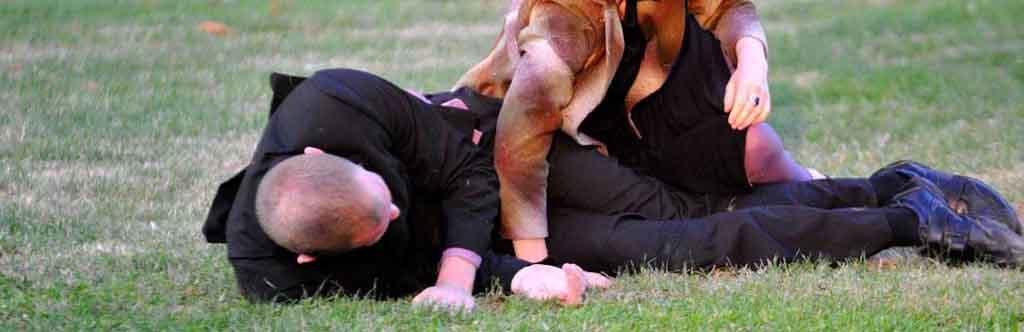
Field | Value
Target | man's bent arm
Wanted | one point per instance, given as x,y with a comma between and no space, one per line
528,119
443,162
554,47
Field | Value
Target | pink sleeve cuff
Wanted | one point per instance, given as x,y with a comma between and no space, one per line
469,256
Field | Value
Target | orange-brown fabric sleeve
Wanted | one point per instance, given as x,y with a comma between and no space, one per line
730,21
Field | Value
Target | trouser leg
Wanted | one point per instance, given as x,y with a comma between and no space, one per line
497,270
581,178
822,194
743,237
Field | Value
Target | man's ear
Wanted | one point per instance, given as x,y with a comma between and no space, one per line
312,151
456,103
303,258
393,212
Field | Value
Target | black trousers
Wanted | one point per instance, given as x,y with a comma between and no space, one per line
606,217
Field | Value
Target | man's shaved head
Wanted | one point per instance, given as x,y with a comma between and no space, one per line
317,204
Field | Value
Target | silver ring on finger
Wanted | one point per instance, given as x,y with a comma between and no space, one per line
757,101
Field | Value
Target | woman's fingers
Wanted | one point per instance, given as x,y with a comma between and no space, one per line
730,96
752,106
750,109
741,106
765,110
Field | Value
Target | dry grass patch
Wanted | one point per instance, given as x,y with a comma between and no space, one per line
411,58
1008,181
81,197
806,80
226,154
792,27
24,52
954,53
13,131
443,32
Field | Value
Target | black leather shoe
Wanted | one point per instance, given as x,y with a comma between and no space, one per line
967,196
955,237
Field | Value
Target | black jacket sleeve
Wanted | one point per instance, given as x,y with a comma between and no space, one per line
446,160
500,269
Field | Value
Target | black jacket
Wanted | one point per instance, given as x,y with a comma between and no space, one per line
421,150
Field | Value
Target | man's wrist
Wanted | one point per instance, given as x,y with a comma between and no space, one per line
456,272
455,286
465,254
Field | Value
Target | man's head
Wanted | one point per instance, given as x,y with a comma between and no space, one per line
319,204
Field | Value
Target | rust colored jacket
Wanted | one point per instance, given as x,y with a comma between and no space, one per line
597,48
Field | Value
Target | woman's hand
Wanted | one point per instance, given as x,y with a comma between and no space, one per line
747,99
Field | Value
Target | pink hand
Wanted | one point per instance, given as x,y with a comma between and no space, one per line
445,297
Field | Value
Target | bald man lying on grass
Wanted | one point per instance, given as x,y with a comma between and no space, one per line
358,187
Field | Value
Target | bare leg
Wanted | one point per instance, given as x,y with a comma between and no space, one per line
767,161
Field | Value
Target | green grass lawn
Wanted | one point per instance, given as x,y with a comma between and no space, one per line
119,118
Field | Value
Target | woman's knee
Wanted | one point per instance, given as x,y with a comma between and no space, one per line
766,158
762,148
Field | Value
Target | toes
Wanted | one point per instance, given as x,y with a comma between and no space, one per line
575,285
